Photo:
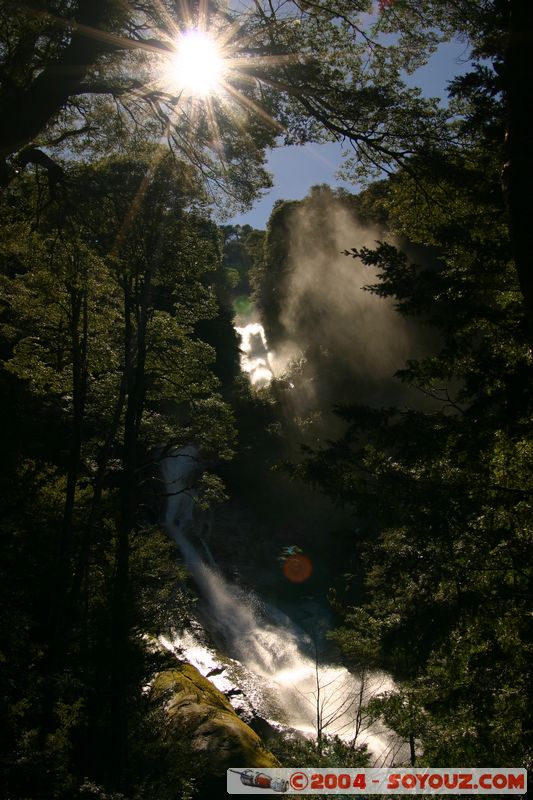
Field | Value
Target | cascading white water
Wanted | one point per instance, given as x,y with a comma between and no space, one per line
256,359
308,694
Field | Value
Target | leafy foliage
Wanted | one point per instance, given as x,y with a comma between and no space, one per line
443,493
116,347
100,304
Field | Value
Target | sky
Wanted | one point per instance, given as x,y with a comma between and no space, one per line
295,169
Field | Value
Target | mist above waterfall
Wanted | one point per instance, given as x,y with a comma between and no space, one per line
340,342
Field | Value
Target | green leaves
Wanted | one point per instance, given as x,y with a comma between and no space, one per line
102,296
441,490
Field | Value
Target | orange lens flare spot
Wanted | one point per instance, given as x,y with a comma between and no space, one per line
297,568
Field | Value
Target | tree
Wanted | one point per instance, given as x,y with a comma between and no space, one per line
517,176
372,108
81,77
342,701
442,494
101,302
104,293
311,70
315,70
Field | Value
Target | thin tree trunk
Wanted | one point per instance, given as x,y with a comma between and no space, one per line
412,750
517,175
319,715
120,592
135,361
58,633
79,582
79,341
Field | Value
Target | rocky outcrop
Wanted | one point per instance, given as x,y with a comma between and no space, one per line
200,712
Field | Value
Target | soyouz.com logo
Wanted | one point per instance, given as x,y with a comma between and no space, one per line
406,780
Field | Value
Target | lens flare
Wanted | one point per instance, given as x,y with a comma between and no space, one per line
197,66
297,568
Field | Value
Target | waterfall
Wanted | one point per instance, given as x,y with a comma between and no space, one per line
256,359
306,693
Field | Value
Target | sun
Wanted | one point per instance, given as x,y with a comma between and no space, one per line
197,68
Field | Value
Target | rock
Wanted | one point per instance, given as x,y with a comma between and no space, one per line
200,712
233,693
264,729
215,671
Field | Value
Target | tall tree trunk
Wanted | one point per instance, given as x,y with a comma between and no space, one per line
79,340
517,181
79,586
58,619
120,601
135,361
518,171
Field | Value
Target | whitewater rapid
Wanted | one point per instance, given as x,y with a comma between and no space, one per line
270,658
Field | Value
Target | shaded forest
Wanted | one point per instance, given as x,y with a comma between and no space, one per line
393,441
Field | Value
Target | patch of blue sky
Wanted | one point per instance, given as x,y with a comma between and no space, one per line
295,169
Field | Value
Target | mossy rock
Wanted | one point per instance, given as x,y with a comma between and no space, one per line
199,711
